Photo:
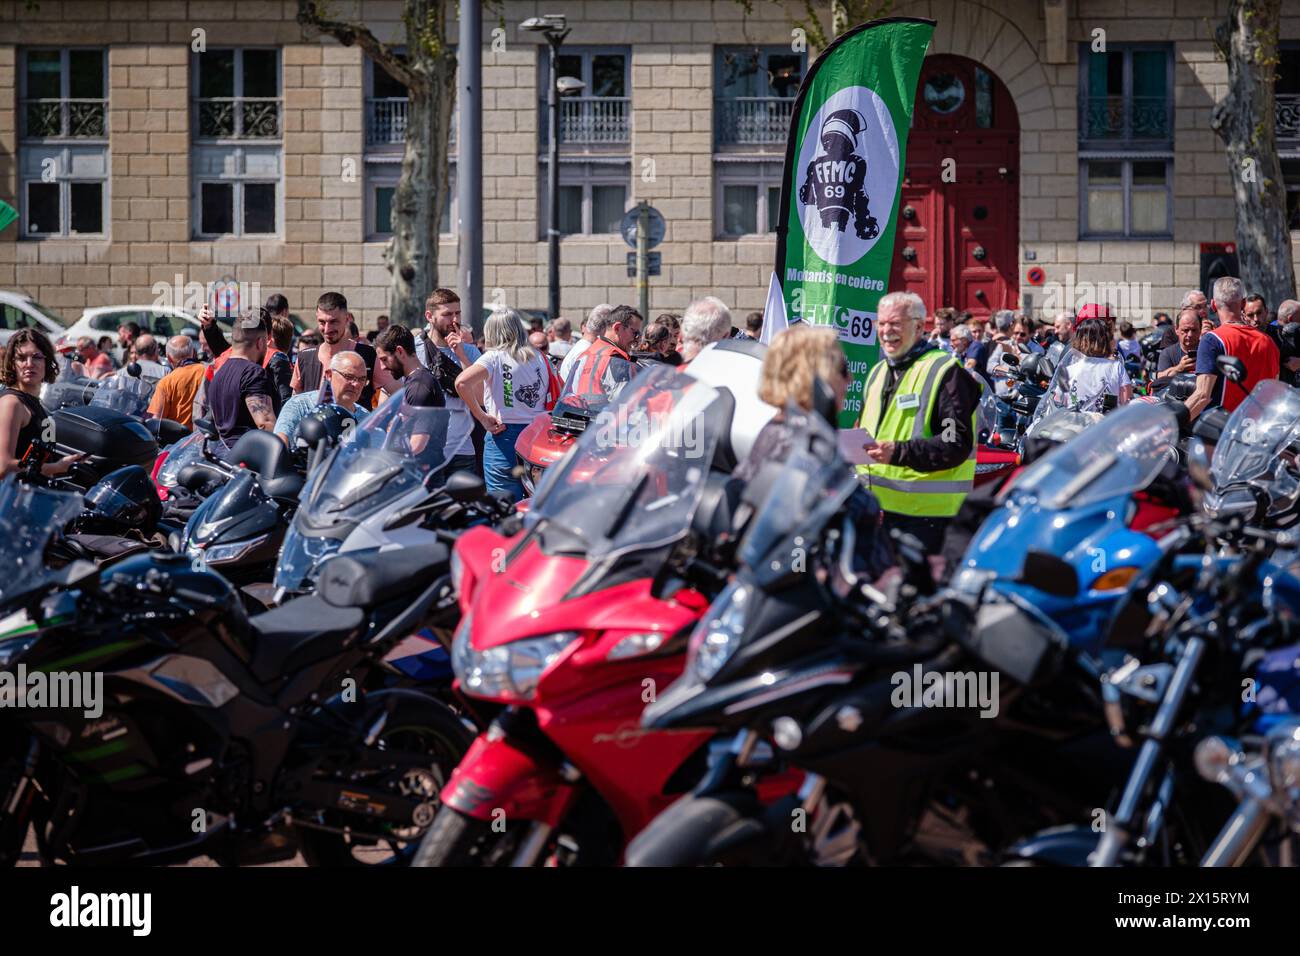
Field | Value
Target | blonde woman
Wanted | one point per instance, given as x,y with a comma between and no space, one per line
795,359
518,383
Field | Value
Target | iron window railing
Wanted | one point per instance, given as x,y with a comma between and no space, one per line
752,120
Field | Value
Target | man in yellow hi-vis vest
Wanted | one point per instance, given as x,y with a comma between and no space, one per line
919,404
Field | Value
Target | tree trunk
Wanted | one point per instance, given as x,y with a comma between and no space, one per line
1248,40
412,254
427,71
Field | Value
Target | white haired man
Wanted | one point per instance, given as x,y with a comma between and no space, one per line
347,377
1196,300
1235,336
705,320
174,395
919,404
592,329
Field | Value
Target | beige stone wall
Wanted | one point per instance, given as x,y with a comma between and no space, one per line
1009,39
671,152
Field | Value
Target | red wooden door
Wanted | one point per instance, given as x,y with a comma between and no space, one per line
958,238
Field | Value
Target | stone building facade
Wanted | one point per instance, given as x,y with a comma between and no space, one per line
139,165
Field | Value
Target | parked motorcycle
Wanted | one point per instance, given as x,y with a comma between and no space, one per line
388,468
212,733
800,650
571,625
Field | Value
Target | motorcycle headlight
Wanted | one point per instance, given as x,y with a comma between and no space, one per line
229,553
1284,756
510,670
972,580
718,634
11,649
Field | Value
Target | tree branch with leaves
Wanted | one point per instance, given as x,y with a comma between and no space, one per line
1245,121
428,70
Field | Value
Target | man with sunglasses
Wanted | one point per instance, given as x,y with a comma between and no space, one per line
347,379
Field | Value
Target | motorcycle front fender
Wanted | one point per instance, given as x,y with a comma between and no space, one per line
1059,846
497,777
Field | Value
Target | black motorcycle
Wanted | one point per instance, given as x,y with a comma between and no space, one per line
799,651
199,730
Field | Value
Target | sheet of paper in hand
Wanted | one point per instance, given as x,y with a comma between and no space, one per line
852,441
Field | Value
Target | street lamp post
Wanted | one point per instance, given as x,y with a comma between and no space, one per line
553,28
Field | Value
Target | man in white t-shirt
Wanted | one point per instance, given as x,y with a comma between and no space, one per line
592,329
561,338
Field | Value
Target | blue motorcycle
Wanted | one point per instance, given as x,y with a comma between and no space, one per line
1104,506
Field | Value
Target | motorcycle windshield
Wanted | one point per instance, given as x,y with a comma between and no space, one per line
987,413
398,447
29,517
588,393
188,449
1117,456
67,390
124,393
1071,389
634,478
1259,434
812,485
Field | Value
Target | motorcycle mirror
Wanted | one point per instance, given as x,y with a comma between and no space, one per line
1049,574
312,431
134,370
1010,359
1198,464
194,476
824,403
1209,426
465,486
1231,367
206,427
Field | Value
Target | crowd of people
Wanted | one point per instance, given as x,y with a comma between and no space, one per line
919,401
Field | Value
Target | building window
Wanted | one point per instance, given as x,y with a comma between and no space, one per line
1126,95
747,198
63,166
382,179
1286,94
237,158
386,105
1291,177
754,95
593,198
1126,142
600,116
1122,197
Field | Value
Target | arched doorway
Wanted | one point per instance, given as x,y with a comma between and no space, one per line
958,241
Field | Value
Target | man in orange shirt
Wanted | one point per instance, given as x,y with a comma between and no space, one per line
173,397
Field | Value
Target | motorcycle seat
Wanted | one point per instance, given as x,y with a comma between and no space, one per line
268,456
371,577
299,633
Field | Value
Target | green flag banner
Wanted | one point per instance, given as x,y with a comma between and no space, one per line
7,214
843,176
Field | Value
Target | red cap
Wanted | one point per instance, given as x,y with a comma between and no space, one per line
1091,311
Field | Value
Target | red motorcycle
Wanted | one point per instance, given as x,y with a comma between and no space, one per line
572,626
549,437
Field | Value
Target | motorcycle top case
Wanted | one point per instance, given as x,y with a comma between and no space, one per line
106,435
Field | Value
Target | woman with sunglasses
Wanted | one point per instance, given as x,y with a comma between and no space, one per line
28,364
